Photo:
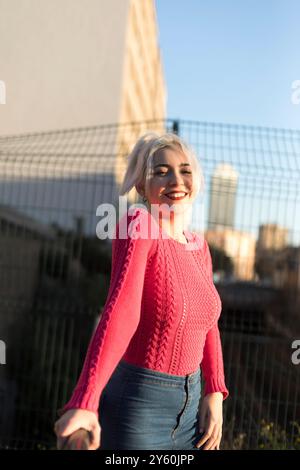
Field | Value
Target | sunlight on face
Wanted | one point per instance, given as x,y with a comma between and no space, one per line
171,172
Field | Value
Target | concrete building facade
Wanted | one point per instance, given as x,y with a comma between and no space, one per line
70,64
77,74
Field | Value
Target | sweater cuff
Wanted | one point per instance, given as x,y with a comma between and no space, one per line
81,400
214,385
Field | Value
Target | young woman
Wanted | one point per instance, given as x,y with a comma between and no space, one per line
159,328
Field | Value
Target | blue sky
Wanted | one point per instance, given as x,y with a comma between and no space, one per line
231,61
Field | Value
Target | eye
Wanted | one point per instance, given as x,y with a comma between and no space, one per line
160,173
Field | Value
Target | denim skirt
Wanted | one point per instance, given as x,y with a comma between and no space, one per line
145,409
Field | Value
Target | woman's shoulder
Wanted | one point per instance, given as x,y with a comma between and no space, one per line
201,243
134,226
135,221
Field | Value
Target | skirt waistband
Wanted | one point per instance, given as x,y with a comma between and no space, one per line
179,379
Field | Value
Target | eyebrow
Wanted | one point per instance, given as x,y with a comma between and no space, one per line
169,166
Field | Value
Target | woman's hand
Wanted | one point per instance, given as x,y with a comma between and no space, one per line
74,420
211,421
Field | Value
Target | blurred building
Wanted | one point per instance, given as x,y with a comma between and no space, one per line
277,262
272,239
74,64
239,246
75,73
286,269
272,236
222,197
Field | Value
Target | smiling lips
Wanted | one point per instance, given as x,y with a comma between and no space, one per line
176,195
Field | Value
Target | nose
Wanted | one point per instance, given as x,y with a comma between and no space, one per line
176,180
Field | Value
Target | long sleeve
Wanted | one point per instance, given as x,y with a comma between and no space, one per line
120,316
212,363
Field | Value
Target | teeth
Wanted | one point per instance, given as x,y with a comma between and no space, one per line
175,195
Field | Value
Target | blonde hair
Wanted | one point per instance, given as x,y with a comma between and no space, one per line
140,160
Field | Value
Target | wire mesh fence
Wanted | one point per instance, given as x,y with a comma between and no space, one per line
55,271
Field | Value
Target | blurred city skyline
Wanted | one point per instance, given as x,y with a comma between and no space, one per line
234,63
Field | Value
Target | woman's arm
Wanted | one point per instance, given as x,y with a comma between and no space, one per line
212,363
215,392
211,421
120,317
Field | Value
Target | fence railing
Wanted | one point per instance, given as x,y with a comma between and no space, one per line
54,271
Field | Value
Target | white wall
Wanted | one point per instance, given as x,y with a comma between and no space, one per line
62,63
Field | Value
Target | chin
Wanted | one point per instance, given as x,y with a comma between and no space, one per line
179,208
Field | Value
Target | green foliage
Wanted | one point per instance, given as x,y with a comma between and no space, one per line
270,437
274,437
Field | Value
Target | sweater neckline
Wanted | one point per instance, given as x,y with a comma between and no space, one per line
187,235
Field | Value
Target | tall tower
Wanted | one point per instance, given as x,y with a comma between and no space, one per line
222,197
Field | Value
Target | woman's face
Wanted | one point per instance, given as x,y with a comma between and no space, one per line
171,173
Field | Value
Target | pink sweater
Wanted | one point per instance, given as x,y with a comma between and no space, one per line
161,312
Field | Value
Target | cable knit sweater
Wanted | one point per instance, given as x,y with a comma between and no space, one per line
161,312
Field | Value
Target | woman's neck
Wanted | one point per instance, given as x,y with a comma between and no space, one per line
172,224
174,230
